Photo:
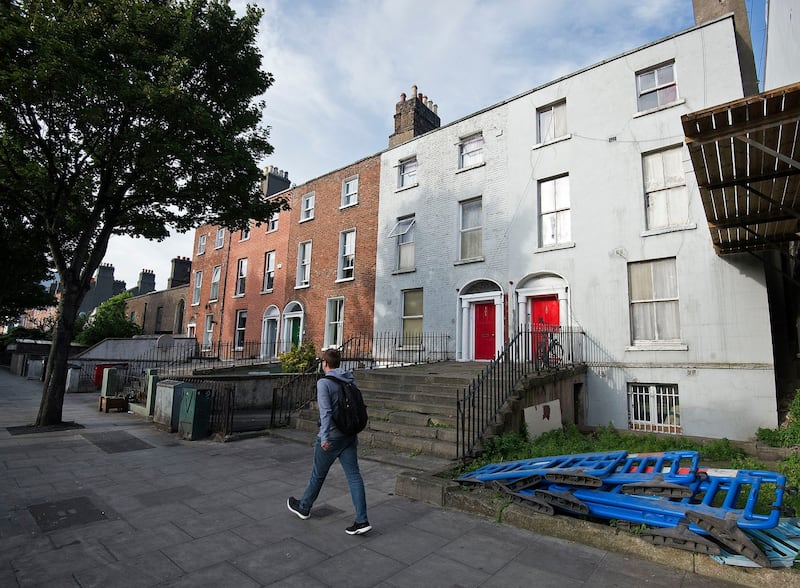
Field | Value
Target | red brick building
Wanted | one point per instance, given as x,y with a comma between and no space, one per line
307,275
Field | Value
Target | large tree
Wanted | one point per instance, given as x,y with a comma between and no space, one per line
126,117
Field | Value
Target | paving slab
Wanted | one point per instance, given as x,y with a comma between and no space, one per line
117,502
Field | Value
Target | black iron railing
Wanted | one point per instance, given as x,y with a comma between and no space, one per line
527,352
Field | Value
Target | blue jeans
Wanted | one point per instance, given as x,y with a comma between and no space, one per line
346,450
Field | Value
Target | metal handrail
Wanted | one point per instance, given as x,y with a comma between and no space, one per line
530,350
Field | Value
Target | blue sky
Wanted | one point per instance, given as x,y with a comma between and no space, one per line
340,66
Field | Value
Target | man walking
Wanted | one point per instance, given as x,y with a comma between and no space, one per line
331,444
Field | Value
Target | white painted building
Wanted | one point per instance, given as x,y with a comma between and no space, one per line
575,205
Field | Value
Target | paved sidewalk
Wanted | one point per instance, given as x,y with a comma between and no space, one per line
120,503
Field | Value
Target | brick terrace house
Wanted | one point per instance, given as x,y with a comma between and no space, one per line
308,274
161,311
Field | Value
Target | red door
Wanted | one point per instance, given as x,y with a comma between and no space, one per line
544,311
484,330
544,319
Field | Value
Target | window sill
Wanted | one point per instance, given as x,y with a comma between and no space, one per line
663,230
305,220
470,167
470,260
404,271
201,252
195,304
655,346
403,188
556,247
302,286
340,280
210,300
271,231
267,291
238,295
552,141
659,108
343,206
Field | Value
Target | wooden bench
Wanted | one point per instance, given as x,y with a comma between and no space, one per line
107,402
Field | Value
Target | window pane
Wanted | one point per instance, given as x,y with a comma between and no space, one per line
667,320
648,101
665,283
549,229
406,256
546,131
673,167
471,243
471,214
560,120
564,232
412,303
411,327
643,323
653,167
641,282
547,194
647,81
666,75
562,192
667,95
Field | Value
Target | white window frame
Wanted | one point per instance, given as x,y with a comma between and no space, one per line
303,279
219,240
470,151
216,274
412,337
346,269
269,271
241,276
551,121
654,301
466,231
662,87
555,222
407,172
245,233
198,284
240,330
350,191
334,322
208,332
654,408
404,232
307,207
665,195
272,224
201,244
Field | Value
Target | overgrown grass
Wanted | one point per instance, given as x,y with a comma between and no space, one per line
514,446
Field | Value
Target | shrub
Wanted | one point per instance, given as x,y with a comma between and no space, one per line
299,359
784,436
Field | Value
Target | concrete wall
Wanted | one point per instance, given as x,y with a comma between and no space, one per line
783,44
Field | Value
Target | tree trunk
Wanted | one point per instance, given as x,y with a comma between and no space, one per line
55,381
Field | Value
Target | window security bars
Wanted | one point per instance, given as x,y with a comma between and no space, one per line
654,408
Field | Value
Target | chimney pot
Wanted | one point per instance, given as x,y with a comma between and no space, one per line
414,90
402,97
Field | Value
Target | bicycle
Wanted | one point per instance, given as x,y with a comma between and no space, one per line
549,352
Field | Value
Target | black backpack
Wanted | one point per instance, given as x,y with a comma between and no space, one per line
351,412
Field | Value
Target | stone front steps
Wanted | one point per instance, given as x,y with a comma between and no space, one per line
412,409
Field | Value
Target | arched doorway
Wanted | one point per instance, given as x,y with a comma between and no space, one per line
269,333
482,324
292,334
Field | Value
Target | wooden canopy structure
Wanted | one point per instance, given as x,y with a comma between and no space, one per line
746,157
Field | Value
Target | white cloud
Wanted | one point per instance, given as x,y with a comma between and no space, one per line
340,67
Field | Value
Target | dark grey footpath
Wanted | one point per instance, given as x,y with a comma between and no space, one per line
119,503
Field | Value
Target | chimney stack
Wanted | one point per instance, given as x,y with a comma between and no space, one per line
708,10
274,180
413,117
181,272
